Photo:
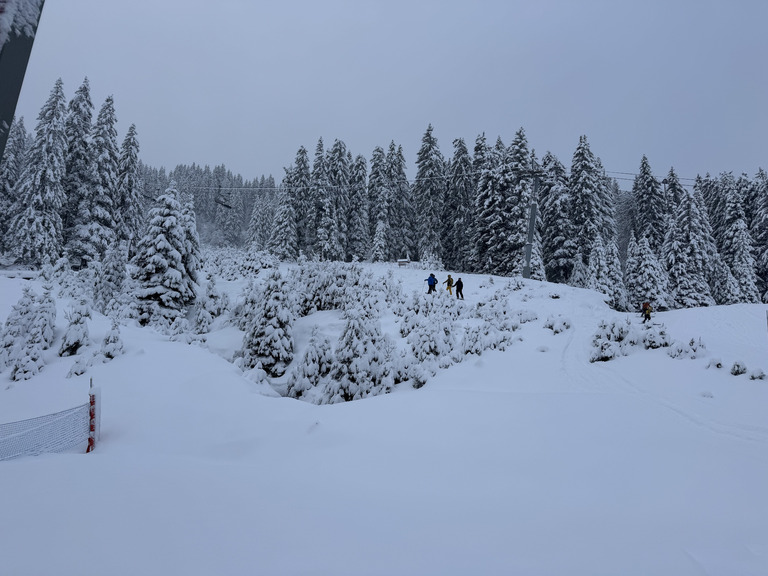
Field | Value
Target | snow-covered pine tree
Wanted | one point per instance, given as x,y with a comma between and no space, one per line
646,281
112,345
458,210
314,368
17,326
598,278
300,184
192,257
284,240
76,335
337,169
28,358
45,317
651,206
586,186
429,188
362,366
80,174
106,218
618,291
558,247
402,209
110,279
725,288
685,254
159,267
262,219
129,189
517,200
268,337
489,207
380,195
359,237
736,248
11,168
36,231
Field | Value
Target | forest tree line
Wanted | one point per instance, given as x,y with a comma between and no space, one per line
69,190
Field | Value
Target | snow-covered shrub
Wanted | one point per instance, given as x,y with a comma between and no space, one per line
655,336
269,335
692,349
76,335
314,368
738,368
45,317
715,363
245,309
525,316
757,374
557,324
405,368
254,261
209,306
80,365
363,364
110,278
431,339
17,326
612,340
112,345
28,359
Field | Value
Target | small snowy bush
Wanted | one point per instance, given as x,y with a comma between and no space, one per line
692,349
738,368
757,375
557,324
655,337
76,335
612,340
112,345
715,363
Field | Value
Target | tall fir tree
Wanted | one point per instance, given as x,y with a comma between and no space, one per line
129,188
80,177
518,195
191,258
651,206
359,244
338,172
489,207
300,194
380,196
11,169
585,184
158,264
429,188
685,254
558,246
760,232
736,247
36,230
106,218
402,208
283,242
458,210
645,278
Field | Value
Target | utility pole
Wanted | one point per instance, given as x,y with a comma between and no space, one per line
531,223
18,26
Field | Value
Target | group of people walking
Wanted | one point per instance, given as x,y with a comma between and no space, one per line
450,285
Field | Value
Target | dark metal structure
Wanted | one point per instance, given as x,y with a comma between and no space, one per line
18,26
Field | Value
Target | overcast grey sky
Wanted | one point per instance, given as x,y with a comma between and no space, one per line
246,82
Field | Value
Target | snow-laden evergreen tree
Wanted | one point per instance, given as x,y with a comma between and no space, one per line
27,360
458,210
489,207
685,254
403,215
36,230
284,240
429,188
17,326
736,248
300,185
517,203
589,214
11,168
362,366
380,195
112,345
314,368
159,266
359,238
45,317
557,240
80,174
76,335
129,187
645,278
106,218
480,157
598,278
268,337
760,232
337,169
651,206
618,291
110,279
191,257
262,219
725,288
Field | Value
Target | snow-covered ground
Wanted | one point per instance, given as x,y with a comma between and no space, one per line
530,461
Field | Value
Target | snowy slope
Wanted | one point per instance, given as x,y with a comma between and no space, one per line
528,461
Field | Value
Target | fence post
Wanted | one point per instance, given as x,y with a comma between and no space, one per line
94,420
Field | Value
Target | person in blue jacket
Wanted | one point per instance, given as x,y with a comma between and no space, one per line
432,283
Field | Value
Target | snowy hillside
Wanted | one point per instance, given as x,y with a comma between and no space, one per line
529,460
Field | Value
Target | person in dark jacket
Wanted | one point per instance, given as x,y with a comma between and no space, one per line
459,289
432,283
